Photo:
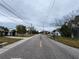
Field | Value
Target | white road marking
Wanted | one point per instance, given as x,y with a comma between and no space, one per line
40,43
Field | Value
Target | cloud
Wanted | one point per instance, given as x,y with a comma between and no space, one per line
5,20
11,20
38,12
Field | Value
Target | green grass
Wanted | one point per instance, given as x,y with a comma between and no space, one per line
9,40
28,35
68,41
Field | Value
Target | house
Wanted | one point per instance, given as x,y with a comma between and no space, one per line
12,32
56,32
75,27
1,31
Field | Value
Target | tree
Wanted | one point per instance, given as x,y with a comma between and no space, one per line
6,30
13,32
21,29
66,18
65,31
3,31
34,32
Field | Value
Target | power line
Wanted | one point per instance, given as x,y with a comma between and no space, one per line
6,16
49,10
3,15
53,4
16,14
51,7
13,10
10,10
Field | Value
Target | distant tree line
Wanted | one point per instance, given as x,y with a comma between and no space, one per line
21,29
4,31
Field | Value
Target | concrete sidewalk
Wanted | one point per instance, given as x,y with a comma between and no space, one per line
16,37
6,48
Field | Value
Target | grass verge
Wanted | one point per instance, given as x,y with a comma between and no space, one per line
68,41
28,35
8,40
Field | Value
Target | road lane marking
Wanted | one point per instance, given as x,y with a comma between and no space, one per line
40,43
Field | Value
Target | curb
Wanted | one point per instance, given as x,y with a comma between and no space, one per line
8,47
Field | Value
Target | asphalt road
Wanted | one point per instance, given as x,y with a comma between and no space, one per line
39,47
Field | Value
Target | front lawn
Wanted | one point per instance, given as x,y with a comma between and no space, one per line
68,41
8,40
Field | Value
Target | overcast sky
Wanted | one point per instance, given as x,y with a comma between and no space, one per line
37,12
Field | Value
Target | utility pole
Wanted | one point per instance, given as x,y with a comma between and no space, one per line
43,29
31,29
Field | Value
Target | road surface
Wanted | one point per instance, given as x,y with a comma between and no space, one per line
40,47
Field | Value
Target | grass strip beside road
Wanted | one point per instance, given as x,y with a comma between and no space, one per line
68,41
28,35
8,40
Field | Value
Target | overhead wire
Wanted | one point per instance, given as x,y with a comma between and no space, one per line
13,11
6,16
48,12
51,6
10,9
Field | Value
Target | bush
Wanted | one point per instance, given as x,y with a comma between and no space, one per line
65,31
